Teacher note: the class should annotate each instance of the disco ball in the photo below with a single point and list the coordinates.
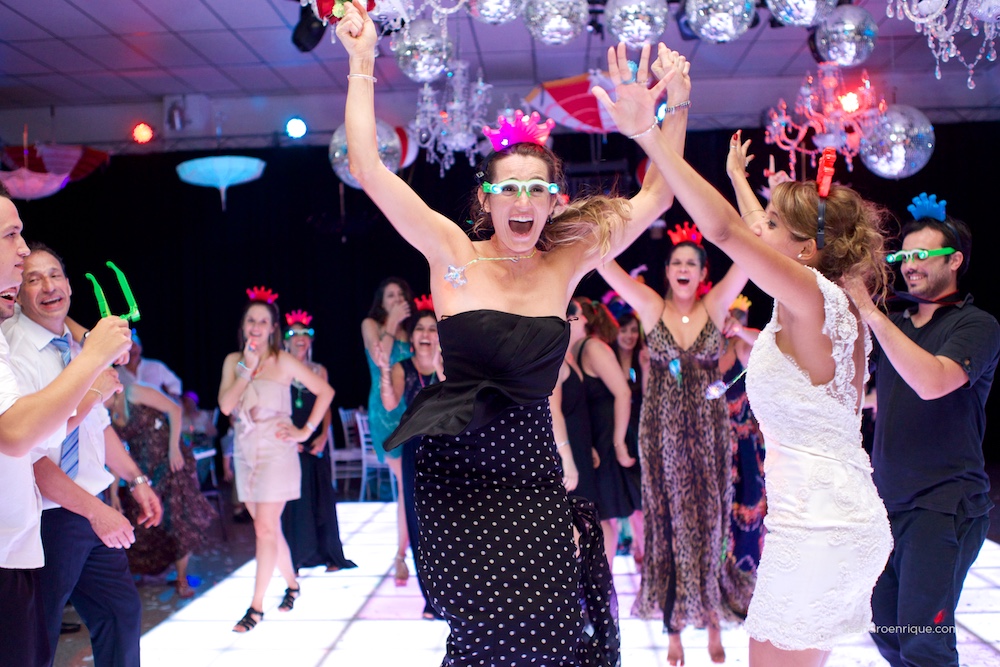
(636, 22)
(801, 13)
(846, 36)
(390, 151)
(900, 144)
(719, 20)
(556, 22)
(495, 11)
(421, 50)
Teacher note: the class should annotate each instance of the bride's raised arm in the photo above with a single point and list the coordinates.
(434, 235)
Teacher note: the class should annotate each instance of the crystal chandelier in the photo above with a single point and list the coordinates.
(830, 115)
(941, 20)
(450, 122)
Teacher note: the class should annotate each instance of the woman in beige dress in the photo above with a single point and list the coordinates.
(256, 391)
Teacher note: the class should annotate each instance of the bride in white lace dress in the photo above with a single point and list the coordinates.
(828, 536)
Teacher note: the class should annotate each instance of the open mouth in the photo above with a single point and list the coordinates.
(521, 225)
(683, 281)
(9, 295)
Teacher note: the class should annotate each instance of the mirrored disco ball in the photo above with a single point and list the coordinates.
(495, 11)
(636, 22)
(801, 13)
(556, 22)
(846, 36)
(421, 51)
(900, 145)
(719, 20)
(390, 151)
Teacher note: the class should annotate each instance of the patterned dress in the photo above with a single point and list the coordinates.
(828, 536)
(749, 501)
(186, 514)
(689, 576)
(496, 527)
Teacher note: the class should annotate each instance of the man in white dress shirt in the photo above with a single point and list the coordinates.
(83, 537)
(24, 422)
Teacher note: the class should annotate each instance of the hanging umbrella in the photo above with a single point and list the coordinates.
(24, 183)
(221, 171)
(78, 161)
(570, 103)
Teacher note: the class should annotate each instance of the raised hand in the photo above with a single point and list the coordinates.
(738, 159)
(675, 69)
(357, 31)
(110, 339)
(251, 355)
(775, 177)
(634, 107)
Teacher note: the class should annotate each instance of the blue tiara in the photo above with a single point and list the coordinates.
(927, 207)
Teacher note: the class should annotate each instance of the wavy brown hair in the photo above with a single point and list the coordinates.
(854, 231)
(595, 219)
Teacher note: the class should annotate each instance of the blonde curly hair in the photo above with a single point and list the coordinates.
(854, 231)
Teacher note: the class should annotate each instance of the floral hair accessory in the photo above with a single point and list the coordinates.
(262, 294)
(685, 232)
(927, 207)
(297, 317)
(523, 129)
(424, 302)
(741, 303)
(331, 11)
(704, 288)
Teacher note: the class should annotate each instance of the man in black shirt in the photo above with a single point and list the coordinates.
(934, 371)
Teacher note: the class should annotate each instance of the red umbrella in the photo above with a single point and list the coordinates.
(570, 103)
(77, 161)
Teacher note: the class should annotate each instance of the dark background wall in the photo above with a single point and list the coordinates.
(324, 247)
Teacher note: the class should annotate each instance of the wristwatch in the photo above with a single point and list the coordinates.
(141, 479)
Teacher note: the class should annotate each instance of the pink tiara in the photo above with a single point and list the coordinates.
(298, 317)
(685, 232)
(523, 129)
(262, 294)
(425, 302)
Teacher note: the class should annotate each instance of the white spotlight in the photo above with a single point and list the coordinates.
(296, 128)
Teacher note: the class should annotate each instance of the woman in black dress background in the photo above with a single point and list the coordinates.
(310, 523)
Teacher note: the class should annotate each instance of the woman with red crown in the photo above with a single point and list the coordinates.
(256, 392)
(498, 552)
(688, 577)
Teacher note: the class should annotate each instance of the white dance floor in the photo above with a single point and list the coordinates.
(360, 618)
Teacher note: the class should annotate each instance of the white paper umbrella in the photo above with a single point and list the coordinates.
(221, 171)
(26, 184)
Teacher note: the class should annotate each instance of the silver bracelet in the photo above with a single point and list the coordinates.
(141, 479)
(367, 77)
(310, 426)
(646, 131)
(683, 105)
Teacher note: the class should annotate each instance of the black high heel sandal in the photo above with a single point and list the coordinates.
(288, 602)
(248, 622)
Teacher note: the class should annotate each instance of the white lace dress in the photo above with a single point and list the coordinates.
(828, 537)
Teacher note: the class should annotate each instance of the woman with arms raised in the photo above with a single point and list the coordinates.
(500, 559)
(828, 537)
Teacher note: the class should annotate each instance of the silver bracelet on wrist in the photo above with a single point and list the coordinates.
(310, 426)
(141, 479)
(681, 105)
(646, 131)
(243, 372)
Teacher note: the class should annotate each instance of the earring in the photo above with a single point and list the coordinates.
(799, 255)
(549, 221)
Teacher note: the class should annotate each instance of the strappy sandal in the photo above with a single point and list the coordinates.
(288, 602)
(248, 622)
(402, 572)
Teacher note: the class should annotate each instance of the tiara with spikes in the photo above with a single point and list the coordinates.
(298, 317)
(262, 294)
(685, 232)
(424, 302)
(927, 207)
(523, 129)
(741, 303)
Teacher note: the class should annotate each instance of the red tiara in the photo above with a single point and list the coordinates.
(685, 232)
(425, 302)
(262, 294)
(298, 317)
(523, 129)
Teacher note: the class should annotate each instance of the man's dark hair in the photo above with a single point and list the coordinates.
(38, 246)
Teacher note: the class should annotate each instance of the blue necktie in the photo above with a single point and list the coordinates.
(69, 460)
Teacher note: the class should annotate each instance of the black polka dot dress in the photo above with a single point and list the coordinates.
(498, 556)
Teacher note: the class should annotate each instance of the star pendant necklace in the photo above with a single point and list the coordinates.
(456, 274)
